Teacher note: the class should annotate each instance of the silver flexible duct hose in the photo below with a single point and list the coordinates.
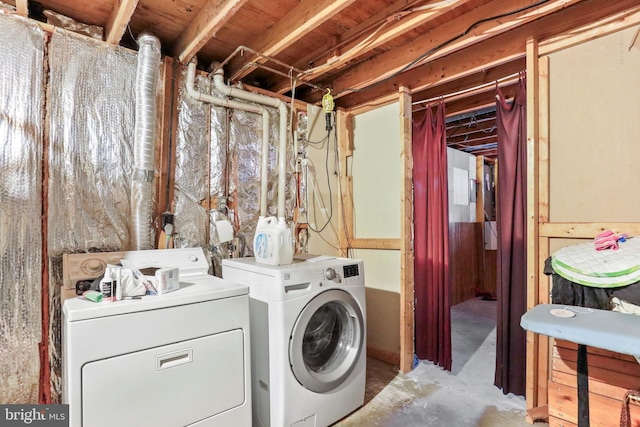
(147, 75)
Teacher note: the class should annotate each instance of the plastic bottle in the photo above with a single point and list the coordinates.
(106, 286)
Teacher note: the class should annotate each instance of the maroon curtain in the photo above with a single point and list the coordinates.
(431, 239)
(512, 255)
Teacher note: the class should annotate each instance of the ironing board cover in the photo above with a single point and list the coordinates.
(605, 269)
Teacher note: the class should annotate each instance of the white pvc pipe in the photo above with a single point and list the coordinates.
(223, 102)
(218, 80)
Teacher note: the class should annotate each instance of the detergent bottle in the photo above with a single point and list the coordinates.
(286, 246)
(272, 242)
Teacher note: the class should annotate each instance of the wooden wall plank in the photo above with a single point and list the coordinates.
(466, 264)
(406, 238)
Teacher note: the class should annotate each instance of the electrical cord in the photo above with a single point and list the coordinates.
(326, 164)
(440, 46)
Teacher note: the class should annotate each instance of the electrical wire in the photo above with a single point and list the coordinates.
(440, 46)
(326, 164)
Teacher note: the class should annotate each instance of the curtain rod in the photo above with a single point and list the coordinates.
(465, 91)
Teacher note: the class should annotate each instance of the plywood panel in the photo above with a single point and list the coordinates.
(466, 266)
(594, 130)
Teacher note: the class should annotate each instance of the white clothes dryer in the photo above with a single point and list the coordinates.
(177, 359)
(308, 338)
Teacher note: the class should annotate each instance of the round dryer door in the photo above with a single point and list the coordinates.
(326, 341)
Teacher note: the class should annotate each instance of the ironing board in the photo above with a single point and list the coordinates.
(609, 330)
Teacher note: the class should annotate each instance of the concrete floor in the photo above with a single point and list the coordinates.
(431, 396)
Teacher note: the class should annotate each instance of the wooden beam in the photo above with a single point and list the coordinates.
(301, 20)
(22, 6)
(497, 50)
(344, 127)
(213, 16)
(484, 76)
(388, 244)
(439, 43)
(384, 33)
(480, 194)
(614, 23)
(586, 230)
(480, 100)
(534, 361)
(118, 20)
(311, 58)
(406, 238)
(165, 150)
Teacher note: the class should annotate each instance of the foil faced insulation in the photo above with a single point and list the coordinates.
(227, 144)
(192, 168)
(91, 126)
(91, 132)
(21, 118)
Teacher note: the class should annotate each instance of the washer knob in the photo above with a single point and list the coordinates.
(330, 274)
(193, 258)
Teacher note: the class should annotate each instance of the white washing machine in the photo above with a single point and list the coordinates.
(308, 338)
(177, 359)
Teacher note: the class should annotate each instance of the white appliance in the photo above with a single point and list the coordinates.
(307, 338)
(178, 359)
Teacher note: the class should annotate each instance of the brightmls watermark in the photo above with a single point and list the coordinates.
(34, 415)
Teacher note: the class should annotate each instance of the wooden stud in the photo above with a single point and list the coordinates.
(532, 351)
(407, 329)
(165, 149)
(118, 20)
(480, 192)
(542, 215)
(344, 127)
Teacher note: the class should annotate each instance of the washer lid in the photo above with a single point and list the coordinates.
(193, 290)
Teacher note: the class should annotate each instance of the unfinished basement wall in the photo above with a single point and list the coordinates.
(377, 179)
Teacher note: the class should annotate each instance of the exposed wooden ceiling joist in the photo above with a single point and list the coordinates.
(213, 15)
(118, 20)
(388, 30)
(487, 76)
(492, 52)
(459, 33)
(22, 7)
(288, 30)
